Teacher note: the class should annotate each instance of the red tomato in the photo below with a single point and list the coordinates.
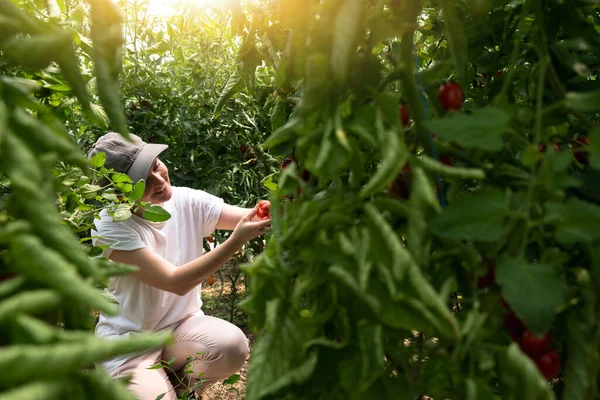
(305, 175)
(451, 96)
(210, 280)
(264, 209)
(399, 188)
(404, 114)
(243, 148)
(549, 364)
(533, 345)
(581, 155)
(286, 161)
(555, 146)
(489, 277)
(446, 160)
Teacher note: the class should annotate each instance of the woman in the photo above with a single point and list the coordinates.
(165, 292)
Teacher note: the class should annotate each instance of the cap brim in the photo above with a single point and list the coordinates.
(141, 166)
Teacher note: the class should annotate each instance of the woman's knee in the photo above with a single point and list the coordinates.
(234, 348)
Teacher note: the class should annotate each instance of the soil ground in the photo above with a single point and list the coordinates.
(217, 301)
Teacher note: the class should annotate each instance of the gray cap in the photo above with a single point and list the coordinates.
(134, 158)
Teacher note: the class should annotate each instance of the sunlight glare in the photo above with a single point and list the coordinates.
(167, 8)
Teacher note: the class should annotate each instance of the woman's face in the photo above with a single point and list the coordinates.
(158, 186)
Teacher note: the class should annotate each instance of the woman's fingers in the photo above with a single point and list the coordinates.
(252, 213)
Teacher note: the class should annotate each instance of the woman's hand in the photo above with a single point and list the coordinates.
(247, 230)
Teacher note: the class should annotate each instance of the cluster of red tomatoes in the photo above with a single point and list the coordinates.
(537, 348)
(579, 149)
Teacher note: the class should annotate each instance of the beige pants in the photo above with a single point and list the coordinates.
(223, 347)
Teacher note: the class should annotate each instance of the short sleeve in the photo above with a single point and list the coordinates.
(207, 208)
(116, 234)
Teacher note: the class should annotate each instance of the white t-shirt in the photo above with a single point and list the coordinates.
(144, 308)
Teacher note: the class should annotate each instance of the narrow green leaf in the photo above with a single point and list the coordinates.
(394, 156)
(348, 25)
(370, 339)
(234, 84)
(99, 385)
(585, 101)
(454, 29)
(36, 52)
(52, 269)
(521, 378)
(47, 390)
(29, 302)
(16, 361)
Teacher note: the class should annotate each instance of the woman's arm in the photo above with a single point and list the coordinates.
(155, 271)
(230, 216)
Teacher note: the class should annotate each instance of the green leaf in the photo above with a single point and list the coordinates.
(457, 40)
(232, 380)
(119, 177)
(576, 221)
(534, 291)
(234, 84)
(16, 361)
(138, 190)
(124, 187)
(269, 184)
(278, 361)
(278, 115)
(370, 337)
(580, 350)
(477, 217)
(122, 213)
(36, 52)
(37, 390)
(103, 386)
(348, 25)
(156, 213)
(89, 191)
(521, 378)
(585, 102)
(483, 129)
(98, 160)
(394, 156)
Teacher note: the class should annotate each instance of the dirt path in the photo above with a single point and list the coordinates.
(217, 303)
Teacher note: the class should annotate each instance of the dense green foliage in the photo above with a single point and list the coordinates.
(351, 273)
(428, 233)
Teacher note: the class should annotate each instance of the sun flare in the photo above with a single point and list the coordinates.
(170, 7)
